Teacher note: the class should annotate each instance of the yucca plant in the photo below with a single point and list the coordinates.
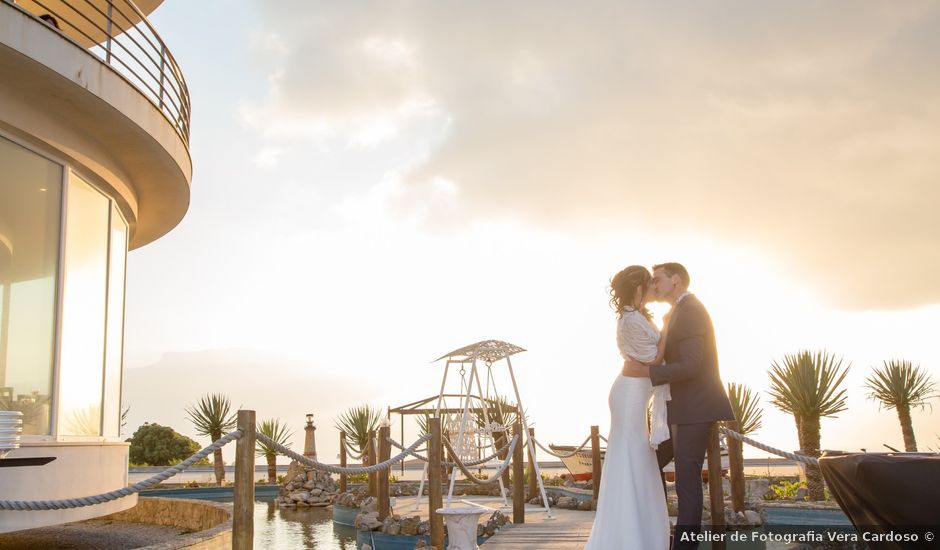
(807, 385)
(212, 416)
(747, 416)
(273, 429)
(899, 385)
(503, 413)
(357, 422)
(746, 407)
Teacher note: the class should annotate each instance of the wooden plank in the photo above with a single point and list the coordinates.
(544, 536)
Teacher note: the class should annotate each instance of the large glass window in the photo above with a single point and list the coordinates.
(30, 199)
(84, 306)
(114, 349)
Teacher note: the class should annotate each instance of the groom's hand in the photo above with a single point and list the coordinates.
(635, 370)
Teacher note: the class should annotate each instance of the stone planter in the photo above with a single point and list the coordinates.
(461, 527)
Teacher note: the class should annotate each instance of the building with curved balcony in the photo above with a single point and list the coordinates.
(94, 162)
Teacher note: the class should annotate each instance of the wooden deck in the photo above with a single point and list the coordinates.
(548, 535)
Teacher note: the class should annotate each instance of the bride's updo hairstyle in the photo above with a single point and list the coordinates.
(623, 287)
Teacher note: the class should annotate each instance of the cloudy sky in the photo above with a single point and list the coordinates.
(377, 183)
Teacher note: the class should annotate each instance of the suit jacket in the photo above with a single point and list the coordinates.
(691, 367)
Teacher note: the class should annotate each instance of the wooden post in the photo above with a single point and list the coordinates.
(342, 461)
(715, 489)
(435, 498)
(373, 478)
(518, 485)
(533, 481)
(243, 518)
(736, 464)
(384, 454)
(596, 462)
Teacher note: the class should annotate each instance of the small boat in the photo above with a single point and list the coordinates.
(581, 464)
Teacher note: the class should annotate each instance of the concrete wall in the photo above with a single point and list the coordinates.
(210, 522)
(79, 470)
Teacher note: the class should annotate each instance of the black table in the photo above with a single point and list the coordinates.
(888, 495)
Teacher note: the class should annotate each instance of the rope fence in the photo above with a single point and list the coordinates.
(812, 461)
(337, 469)
(496, 475)
(564, 455)
(476, 462)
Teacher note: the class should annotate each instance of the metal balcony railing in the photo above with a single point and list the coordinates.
(118, 32)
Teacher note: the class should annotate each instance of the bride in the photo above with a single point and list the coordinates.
(631, 508)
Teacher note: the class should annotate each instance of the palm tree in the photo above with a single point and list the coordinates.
(212, 417)
(806, 385)
(901, 386)
(357, 422)
(273, 429)
(747, 416)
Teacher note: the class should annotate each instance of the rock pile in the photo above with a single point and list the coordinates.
(304, 486)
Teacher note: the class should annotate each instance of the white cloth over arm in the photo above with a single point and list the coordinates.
(638, 338)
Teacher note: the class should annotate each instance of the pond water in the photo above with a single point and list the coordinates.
(300, 528)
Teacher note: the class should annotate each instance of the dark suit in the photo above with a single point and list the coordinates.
(698, 400)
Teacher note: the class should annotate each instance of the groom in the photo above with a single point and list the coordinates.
(690, 367)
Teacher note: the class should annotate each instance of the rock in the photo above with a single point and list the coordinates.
(390, 526)
(367, 521)
(370, 504)
(298, 496)
(480, 530)
(756, 488)
(726, 485)
(568, 503)
(366, 546)
(585, 505)
(753, 518)
(801, 494)
(423, 528)
(409, 526)
(316, 492)
(420, 544)
(309, 485)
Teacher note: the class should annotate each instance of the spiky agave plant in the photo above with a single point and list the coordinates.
(807, 385)
(357, 422)
(213, 416)
(747, 420)
(279, 433)
(746, 407)
(899, 385)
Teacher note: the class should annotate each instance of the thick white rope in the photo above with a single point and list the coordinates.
(497, 475)
(812, 461)
(446, 463)
(563, 455)
(336, 469)
(123, 492)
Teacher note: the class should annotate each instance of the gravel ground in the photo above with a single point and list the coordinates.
(92, 534)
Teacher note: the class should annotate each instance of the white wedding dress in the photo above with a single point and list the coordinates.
(631, 510)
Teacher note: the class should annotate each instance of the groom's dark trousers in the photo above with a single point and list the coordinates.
(698, 401)
(686, 444)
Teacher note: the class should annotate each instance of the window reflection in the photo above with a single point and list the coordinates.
(81, 360)
(30, 198)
